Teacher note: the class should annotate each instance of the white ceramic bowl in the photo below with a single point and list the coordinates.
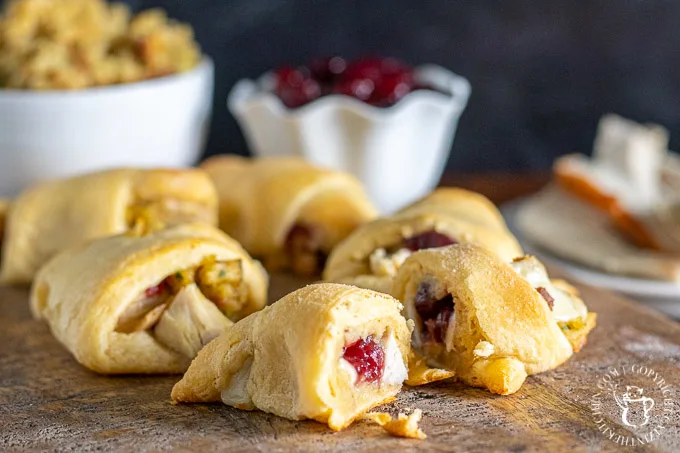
(399, 152)
(159, 122)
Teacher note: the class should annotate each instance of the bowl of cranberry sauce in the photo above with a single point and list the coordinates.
(389, 124)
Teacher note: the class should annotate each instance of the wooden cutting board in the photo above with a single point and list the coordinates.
(50, 403)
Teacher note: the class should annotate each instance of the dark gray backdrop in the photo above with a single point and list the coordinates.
(542, 71)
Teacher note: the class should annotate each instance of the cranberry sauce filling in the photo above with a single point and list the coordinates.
(434, 313)
(427, 240)
(367, 357)
(546, 296)
(303, 246)
(156, 290)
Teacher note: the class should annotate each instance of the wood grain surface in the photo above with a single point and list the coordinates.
(50, 403)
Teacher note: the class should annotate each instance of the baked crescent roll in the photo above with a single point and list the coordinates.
(371, 256)
(147, 304)
(326, 352)
(53, 216)
(286, 211)
(485, 321)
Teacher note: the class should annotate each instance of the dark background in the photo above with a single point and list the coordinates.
(542, 71)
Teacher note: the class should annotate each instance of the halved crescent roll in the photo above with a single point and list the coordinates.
(486, 322)
(147, 304)
(371, 256)
(327, 352)
(53, 216)
(286, 211)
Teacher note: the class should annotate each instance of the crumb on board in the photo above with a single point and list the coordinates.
(402, 426)
(419, 373)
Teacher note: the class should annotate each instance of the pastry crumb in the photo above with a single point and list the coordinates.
(419, 373)
(402, 426)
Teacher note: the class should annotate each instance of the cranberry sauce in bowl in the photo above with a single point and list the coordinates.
(380, 82)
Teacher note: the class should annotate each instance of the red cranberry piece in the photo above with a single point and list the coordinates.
(367, 357)
(287, 76)
(434, 313)
(297, 96)
(390, 66)
(361, 89)
(546, 296)
(365, 68)
(326, 69)
(393, 87)
(427, 240)
(155, 290)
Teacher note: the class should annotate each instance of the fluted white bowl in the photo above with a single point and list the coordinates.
(51, 134)
(399, 152)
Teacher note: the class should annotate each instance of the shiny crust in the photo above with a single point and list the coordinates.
(261, 199)
(463, 215)
(294, 346)
(53, 216)
(493, 304)
(82, 292)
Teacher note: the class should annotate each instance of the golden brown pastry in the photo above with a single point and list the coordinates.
(327, 352)
(371, 256)
(489, 322)
(53, 216)
(147, 304)
(286, 211)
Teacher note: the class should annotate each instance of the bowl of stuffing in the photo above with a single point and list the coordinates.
(86, 85)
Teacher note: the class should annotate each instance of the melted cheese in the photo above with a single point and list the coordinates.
(382, 264)
(484, 349)
(236, 393)
(395, 370)
(565, 308)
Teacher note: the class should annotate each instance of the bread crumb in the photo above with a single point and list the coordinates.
(402, 426)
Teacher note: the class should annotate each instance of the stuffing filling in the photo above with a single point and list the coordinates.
(369, 360)
(304, 250)
(570, 312)
(190, 307)
(386, 263)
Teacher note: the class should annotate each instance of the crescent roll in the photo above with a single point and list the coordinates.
(53, 216)
(285, 211)
(147, 304)
(371, 256)
(326, 352)
(488, 322)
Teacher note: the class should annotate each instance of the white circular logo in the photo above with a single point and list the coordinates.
(633, 405)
